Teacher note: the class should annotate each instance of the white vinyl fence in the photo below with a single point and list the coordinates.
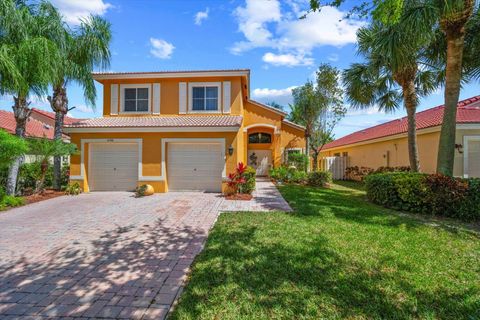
(336, 165)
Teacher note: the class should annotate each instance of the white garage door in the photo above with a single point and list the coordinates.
(196, 166)
(114, 166)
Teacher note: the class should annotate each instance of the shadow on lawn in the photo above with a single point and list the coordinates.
(239, 277)
(144, 267)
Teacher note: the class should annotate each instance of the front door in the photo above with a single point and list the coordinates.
(260, 160)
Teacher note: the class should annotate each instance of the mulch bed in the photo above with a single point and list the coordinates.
(45, 195)
(239, 196)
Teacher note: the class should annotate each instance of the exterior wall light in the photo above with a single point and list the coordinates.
(459, 148)
(230, 150)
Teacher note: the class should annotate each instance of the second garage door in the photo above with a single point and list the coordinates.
(114, 166)
(196, 166)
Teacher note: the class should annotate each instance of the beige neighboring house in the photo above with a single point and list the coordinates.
(386, 144)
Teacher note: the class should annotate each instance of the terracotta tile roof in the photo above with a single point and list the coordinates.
(468, 112)
(160, 121)
(293, 124)
(51, 115)
(175, 71)
(34, 128)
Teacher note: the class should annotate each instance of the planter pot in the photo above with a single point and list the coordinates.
(149, 190)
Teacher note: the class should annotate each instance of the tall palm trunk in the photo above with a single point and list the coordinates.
(59, 104)
(410, 101)
(21, 112)
(455, 33)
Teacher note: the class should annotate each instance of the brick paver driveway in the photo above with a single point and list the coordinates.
(100, 255)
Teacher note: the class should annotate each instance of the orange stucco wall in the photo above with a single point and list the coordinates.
(151, 153)
(283, 136)
(169, 95)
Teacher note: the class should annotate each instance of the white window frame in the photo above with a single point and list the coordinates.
(135, 86)
(466, 140)
(192, 85)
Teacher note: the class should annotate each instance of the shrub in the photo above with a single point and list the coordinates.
(434, 194)
(298, 160)
(73, 189)
(299, 177)
(2, 193)
(242, 180)
(29, 175)
(249, 175)
(357, 173)
(11, 201)
(319, 178)
(397, 190)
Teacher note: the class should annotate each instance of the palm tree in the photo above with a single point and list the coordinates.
(390, 74)
(86, 47)
(454, 51)
(25, 32)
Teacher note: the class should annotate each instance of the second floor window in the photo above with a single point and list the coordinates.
(136, 100)
(205, 98)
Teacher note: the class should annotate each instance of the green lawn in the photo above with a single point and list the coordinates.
(336, 257)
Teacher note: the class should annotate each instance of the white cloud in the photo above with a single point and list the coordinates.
(281, 96)
(200, 16)
(289, 60)
(264, 25)
(252, 22)
(74, 10)
(161, 48)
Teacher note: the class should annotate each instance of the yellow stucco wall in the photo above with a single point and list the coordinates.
(151, 153)
(169, 95)
(283, 136)
(394, 152)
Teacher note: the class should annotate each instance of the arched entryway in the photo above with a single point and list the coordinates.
(260, 149)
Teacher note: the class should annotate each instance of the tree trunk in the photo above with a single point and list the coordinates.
(446, 147)
(307, 150)
(21, 112)
(315, 160)
(454, 29)
(410, 101)
(59, 104)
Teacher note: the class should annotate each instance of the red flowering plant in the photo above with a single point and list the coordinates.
(242, 180)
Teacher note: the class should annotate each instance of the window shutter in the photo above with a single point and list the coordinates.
(156, 98)
(182, 97)
(226, 96)
(114, 99)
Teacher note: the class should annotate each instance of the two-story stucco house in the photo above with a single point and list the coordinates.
(184, 130)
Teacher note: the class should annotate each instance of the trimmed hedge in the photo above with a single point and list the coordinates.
(430, 194)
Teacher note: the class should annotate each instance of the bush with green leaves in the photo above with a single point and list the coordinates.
(11, 147)
(298, 160)
(319, 178)
(249, 176)
(2, 193)
(10, 202)
(431, 194)
(73, 189)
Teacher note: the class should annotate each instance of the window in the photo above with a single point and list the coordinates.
(344, 154)
(205, 97)
(259, 137)
(136, 99)
(337, 154)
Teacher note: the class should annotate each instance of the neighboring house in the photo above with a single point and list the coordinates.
(39, 125)
(184, 130)
(386, 144)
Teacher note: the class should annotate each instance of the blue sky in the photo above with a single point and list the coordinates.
(265, 36)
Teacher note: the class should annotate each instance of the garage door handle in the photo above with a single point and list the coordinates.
(194, 169)
(114, 169)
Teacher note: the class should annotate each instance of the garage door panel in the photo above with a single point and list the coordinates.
(114, 166)
(195, 166)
